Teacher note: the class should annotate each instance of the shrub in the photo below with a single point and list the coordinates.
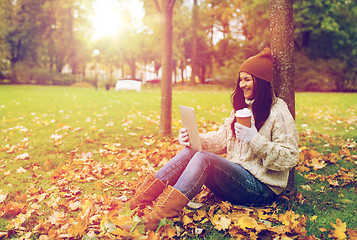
(319, 75)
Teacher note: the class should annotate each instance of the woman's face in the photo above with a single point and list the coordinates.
(247, 85)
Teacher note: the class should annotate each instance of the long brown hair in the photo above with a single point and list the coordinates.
(263, 101)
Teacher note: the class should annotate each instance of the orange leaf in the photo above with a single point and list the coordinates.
(12, 209)
(317, 164)
(352, 233)
(225, 206)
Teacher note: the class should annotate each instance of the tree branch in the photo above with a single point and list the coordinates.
(172, 4)
(157, 5)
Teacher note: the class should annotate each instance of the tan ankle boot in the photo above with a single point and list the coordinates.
(147, 192)
(169, 204)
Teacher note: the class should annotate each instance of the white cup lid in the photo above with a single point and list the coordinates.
(245, 112)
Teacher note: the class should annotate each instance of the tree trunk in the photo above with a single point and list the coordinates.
(166, 13)
(132, 65)
(203, 74)
(175, 72)
(14, 79)
(194, 43)
(282, 46)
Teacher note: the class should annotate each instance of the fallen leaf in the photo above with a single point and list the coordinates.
(186, 220)
(74, 206)
(194, 205)
(220, 222)
(352, 233)
(199, 215)
(339, 230)
(3, 197)
(306, 187)
(23, 156)
(20, 170)
(247, 222)
(78, 229)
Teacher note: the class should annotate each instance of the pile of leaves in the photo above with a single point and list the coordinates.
(66, 211)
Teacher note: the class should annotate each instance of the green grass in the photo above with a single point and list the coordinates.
(88, 119)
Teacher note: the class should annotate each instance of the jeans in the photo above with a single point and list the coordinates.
(189, 170)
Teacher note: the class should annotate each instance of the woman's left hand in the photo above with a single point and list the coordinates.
(244, 133)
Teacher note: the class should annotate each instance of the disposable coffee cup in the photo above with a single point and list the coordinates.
(243, 116)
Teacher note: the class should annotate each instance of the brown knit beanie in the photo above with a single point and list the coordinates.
(260, 65)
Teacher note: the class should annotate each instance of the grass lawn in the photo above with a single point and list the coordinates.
(44, 129)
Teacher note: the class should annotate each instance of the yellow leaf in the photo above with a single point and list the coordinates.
(186, 220)
(333, 183)
(313, 218)
(119, 232)
(247, 222)
(199, 214)
(78, 230)
(340, 229)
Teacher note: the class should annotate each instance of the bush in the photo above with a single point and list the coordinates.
(28, 74)
(42, 76)
(319, 75)
(45, 77)
(63, 79)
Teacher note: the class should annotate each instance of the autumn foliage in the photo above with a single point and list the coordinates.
(66, 173)
(65, 211)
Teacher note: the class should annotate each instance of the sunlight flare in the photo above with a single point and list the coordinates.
(111, 16)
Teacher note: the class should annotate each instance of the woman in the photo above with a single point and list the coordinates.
(259, 158)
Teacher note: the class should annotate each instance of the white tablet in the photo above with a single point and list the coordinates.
(189, 121)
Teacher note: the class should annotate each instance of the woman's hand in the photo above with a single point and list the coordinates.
(244, 133)
(183, 137)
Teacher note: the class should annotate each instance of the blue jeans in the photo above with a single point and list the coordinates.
(189, 170)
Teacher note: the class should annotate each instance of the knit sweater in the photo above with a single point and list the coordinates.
(270, 155)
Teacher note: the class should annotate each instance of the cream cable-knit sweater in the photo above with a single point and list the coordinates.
(270, 154)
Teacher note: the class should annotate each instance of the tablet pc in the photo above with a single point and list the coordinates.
(189, 122)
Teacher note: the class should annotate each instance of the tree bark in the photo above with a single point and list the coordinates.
(166, 13)
(194, 43)
(282, 46)
(14, 79)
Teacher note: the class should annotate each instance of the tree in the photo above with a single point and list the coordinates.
(166, 12)
(44, 34)
(182, 37)
(255, 24)
(282, 46)
(194, 42)
(23, 33)
(326, 30)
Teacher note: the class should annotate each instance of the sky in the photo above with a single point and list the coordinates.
(108, 16)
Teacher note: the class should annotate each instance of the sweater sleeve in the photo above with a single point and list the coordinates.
(281, 153)
(216, 142)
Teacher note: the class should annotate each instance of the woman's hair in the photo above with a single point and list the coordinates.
(263, 100)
